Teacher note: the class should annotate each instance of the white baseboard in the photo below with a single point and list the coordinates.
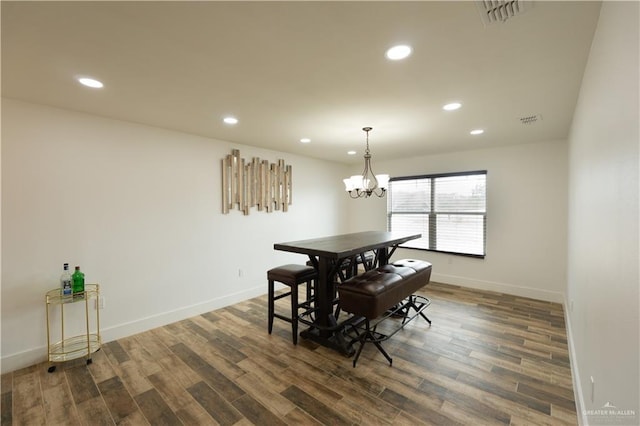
(39, 354)
(514, 290)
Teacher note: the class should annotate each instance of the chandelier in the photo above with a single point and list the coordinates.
(366, 184)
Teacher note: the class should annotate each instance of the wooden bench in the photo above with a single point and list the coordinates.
(384, 292)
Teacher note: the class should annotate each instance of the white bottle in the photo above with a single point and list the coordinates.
(66, 283)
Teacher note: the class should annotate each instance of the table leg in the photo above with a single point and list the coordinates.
(323, 302)
(383, 256)
(327, 332)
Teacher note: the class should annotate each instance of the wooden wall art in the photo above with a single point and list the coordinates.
(254, 183)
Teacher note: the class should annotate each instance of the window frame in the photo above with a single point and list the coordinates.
(432, 214)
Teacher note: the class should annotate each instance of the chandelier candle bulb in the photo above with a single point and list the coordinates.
(348, 184)
(383, 181)
(358, 182)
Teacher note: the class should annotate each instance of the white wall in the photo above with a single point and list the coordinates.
(138, 208)
(603, 277)
(526, 218)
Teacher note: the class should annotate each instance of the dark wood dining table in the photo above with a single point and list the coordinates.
(328, 254)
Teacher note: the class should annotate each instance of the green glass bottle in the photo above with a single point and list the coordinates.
(78, 281)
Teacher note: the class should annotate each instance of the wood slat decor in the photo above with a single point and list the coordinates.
(488, 358)
(255, 183)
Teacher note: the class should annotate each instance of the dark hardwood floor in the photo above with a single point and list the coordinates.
(488, 358)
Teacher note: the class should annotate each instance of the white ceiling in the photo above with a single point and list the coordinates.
(289, 70)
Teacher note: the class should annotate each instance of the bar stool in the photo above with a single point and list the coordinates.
(291, 275)
(350, 266)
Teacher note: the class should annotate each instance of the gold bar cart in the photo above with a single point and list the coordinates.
(68, 348)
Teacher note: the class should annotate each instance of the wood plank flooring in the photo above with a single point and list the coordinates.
(488, 358)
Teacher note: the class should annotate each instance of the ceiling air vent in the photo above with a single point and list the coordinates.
(531, 119)
(494, 11)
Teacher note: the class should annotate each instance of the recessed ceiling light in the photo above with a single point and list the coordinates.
(90, 82)
(230, 120)
(398, 52)
(351, 152)
(305, 140)
(476, 132)
(452, 106)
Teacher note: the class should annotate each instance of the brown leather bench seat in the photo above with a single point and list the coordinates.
(382, 292)
(374, 292)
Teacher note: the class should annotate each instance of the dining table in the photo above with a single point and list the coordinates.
(329, 255)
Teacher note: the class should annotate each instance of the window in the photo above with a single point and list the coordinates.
(449, 210)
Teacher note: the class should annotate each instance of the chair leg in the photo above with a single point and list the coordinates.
(309, 288)
(386, 355)
(271, 306)
(355, 359)
(368, 336)
(294, 313)
(412, 300)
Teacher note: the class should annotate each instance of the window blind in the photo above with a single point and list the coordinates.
(449, 210)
